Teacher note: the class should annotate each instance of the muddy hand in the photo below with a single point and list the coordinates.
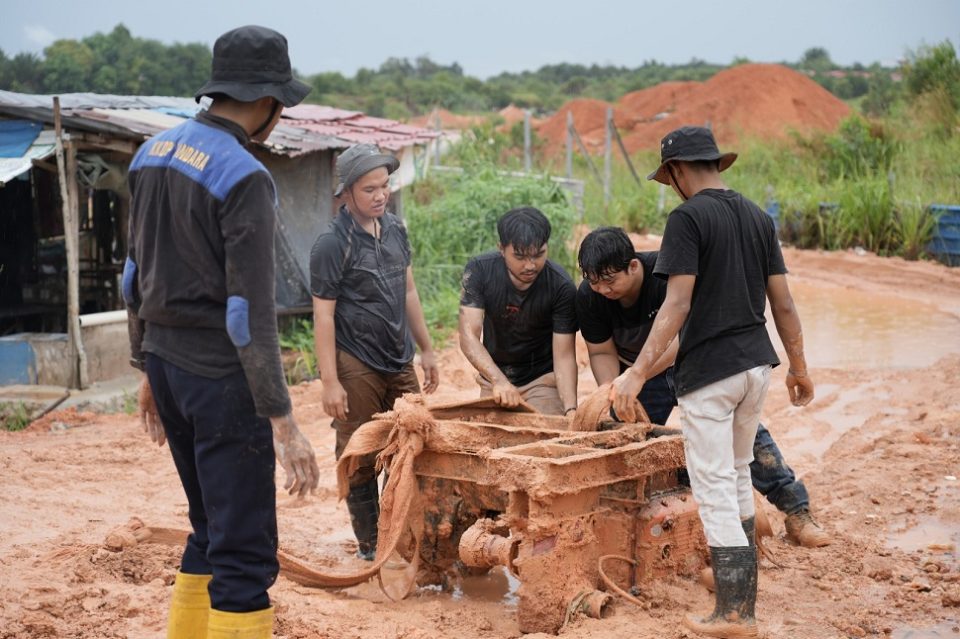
(295, 455)
(431, 373)
(506, 394)
(623, 397)
(149, 418)
(800, 387)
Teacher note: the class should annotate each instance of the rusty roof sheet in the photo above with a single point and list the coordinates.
(303, 129)
(318, 113)
(355, 127)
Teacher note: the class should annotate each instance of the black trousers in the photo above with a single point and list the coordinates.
(224, 455)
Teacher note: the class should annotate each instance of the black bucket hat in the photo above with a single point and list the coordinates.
(359, 160)
(689, 144)
(250, 63)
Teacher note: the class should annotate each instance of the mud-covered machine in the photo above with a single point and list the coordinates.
(573, 515)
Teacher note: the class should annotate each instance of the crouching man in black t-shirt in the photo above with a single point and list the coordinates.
(617, 302)
(722, 261)
(523, 305)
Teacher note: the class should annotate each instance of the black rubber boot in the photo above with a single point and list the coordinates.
(363, 502)
(750, 530)
(735, 576)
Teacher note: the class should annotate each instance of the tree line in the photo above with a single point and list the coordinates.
(118, 62)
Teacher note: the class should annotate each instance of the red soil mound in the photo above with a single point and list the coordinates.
(750, 100)
(588, 118)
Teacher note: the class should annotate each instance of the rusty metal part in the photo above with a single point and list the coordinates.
(480, 547)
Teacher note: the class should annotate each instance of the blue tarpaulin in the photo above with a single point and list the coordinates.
(16, 136)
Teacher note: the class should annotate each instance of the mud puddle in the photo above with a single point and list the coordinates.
(929, 534)
(847, 328)
(498, 585)
(945, 630)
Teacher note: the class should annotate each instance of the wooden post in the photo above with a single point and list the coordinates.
(67, 169)
(569, 145)
(607, 148)
(527, 160)
(439, 129)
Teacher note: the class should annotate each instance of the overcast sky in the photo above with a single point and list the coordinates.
(490, 36)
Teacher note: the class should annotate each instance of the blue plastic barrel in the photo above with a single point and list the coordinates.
(945, 244)
(773, 210)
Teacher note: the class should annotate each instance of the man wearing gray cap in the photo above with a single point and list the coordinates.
(722, 261)
(367, 317)
(199, 287)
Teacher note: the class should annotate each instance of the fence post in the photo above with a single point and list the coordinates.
(569, 145)
(527, 160)
(607, 148)
(439, 129)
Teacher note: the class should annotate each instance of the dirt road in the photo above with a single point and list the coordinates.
(879, 451)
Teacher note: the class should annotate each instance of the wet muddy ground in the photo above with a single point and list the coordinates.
(879, 450)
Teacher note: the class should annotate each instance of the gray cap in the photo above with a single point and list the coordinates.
(359, 160)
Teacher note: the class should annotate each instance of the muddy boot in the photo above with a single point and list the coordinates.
(750, 530)
(364, 505)
(803, 530)
(735, 574)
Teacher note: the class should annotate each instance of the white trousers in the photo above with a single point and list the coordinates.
(719, 426)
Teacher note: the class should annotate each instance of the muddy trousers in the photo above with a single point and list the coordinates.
(368, 392)
(769, 472)
(224, 455)
(719, 426)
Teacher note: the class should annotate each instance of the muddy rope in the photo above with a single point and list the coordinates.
(399, 436)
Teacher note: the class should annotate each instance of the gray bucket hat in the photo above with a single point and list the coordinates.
(689, 144)
(250, 63)
(359, 160)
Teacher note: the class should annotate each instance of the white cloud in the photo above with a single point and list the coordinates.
(38, 35)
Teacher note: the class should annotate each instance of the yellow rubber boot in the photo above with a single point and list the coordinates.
(240, 625)
(189, 607)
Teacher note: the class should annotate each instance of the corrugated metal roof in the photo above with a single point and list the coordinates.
(43, 147)
(355, 127)
(318, 113)
(303, 129)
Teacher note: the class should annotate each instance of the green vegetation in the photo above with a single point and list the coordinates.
(114, 62)
(14, 416)
(297, 339)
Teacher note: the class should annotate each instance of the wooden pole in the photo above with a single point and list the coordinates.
(67, 169)
(626, 156)
(436, 125)
(527, 159)
(569, 145)
(607, 148)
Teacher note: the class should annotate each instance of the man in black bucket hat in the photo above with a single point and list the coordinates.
(721, 260)
(199, 287)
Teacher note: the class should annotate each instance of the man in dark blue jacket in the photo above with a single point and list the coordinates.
(199, 286)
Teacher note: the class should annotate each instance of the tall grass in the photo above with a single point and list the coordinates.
(869, 185)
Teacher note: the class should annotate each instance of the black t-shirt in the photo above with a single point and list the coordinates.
(602, 318)
(368, 279)
(731, 246)
(518, 326)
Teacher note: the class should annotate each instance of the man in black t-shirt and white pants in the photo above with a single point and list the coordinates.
(523, 305)
(722, 261)
(617, 303)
